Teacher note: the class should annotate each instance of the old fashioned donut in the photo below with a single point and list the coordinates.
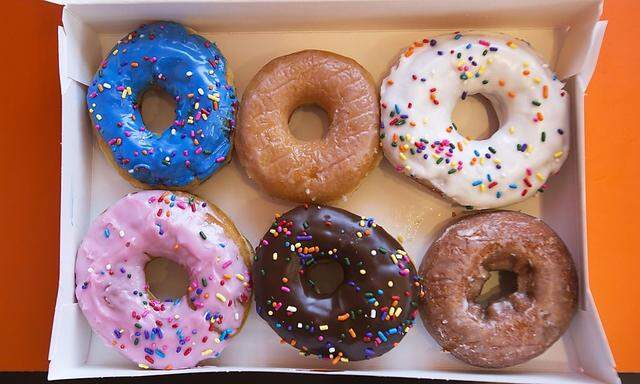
(319, 170)
(193, 71)
(513, 327)
(421, 140)
(113, 293)
(365, 314)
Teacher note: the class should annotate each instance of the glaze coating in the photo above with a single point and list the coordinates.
(515, 326)
(309, 171)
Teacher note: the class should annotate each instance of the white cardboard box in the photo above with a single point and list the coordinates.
(568, 33)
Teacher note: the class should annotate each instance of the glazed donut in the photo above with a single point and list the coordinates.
(420, 139)
(514, 327)
(113, 294)
(193, 71)
(365, 314)
(319, 170)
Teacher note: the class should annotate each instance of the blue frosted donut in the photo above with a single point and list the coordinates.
(193, 71)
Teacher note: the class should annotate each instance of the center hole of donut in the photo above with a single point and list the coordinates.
(475, 117)
(167, 280)
(324, 277)
(309, 123)
(498, 286)
(158, 109)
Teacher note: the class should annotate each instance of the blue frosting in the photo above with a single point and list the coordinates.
(193, 71)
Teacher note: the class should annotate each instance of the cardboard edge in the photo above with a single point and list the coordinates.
(72, 97)
(591, 58)
(75, 359)
(62, 60)
(72, 195)
(611, 375)
(541, 378)
(589, 304)
(63, 89)
(79, 37)
(582, 80)
(576, 45)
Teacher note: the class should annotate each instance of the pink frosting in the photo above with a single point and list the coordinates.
(112, 291)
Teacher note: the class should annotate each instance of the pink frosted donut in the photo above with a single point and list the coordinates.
(113, 293)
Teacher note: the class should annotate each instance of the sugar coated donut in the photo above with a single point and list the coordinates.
(514, 325)
(319, 170)
(365, 314)
(113, 293)
(421, 140)
(193, 71)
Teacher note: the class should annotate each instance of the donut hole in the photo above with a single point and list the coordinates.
(309, 122)
(498, 286)
(475, 117)
(166, 279)
(157, 108)
(323, 278)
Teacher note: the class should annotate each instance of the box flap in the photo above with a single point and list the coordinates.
(578, 43)
(62, 60)
(591, 58)
(72, 353)
(80, 49)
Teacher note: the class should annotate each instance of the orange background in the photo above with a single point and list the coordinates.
(29, 231)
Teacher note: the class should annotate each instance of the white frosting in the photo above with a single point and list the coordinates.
(421, 91)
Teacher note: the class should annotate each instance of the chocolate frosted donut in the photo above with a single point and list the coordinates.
(514, 327)
(372, 302)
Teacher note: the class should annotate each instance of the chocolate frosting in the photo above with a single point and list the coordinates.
(368, 313)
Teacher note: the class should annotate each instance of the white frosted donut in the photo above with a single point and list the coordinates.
(420, 139)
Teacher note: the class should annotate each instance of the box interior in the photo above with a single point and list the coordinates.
(373, 33)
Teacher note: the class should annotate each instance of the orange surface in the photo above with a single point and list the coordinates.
(613, 183)
(30, 108)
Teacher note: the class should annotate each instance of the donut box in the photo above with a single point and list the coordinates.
(567, 33)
